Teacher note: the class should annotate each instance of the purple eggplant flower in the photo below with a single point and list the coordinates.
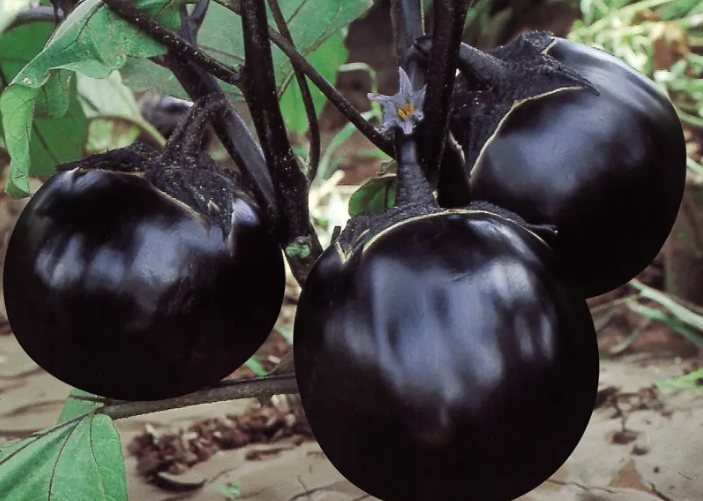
(403, 109)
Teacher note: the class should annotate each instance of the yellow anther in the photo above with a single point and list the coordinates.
(405, 111)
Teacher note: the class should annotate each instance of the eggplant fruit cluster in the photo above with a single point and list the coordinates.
(447, 352)
(139, 275)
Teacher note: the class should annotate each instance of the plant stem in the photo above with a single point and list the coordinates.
(408, 25)
(413, 187)
(449, 17)
(172, 41)
(261, 387)
(308, 104)
(186, 139)
(299, 62)
(259, 85)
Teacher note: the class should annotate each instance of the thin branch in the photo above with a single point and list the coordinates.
(308, 104)
(295, 231)
(449, 17)
(301, 63)
(172, 41)
(227, 390)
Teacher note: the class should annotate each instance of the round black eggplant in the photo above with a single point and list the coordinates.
(608, 170)
(445, 358)
(118, 289)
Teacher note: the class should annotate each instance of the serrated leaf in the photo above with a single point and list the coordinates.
(78, 403)
(326, 59)
(9, 10)
(74, 461)
(374, 196)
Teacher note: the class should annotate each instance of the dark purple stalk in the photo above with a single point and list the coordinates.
(259, 85)
(449, 17)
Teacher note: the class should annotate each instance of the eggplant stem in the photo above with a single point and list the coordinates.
(413, 187)
(294, 227)
(408, 25)
(449, 17)
(313, 124)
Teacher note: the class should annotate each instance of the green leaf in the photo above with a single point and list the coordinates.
(311, 23)
(9, 10)
(37, 145)
(374, 196)
(107, 97)
(78, 403)
(91, 40)
(78, 460)
(110, 98)
(143, 75)
(94, 41)
(326, 59)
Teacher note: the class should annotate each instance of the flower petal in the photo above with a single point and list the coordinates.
(405, 85)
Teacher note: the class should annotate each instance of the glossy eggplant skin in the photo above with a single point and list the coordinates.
(608, 170)
(448, 359)
(120, 290)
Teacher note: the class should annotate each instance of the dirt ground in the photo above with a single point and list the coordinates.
(642, 444)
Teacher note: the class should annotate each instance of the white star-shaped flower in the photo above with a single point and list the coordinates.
(403, 109)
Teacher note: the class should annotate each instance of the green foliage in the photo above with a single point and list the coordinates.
(92, 41)
(326, 59)
(221, 37)
(58, 130)
(80, 459)
(374, 196)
